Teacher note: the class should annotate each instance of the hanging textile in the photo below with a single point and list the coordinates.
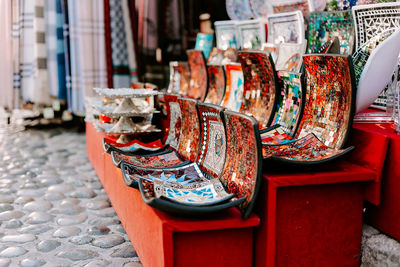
(121, 72)
(51, 46)
(61, 67)
(87, 50)
(6, 66)
(33, 53)
(16, 35)
(64, 8)
(150, 27)
(107, 37)
(129, 41)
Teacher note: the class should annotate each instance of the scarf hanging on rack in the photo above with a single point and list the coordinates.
(33, 53)
(61, 66)
(67, 49)
(6, 66)
(107, 37)
(120, 60)
(51, 46)
(130, 42)
(87, 50)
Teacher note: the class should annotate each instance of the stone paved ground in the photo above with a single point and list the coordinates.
(53, 209)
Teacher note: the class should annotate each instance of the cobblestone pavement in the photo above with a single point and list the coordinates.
(53, 209)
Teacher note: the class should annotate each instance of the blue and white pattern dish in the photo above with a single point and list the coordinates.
(239, 9)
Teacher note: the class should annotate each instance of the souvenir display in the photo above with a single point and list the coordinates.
(372, 20)
(286, 27)
(216, 84)
(132, 146)
(163, 159)
(179, 77)
(241, 174)
(131, 103)
(200, 194)
(260, 8)
(327, 25)
(238, 9)
(361, 56)
(275, 135)
(187, 174)
(272, 49)
(211, 157)
(259, 86)
(305, 6)
(198, 75)
(290, 101)
(332, 46)
(189, 141)
(251, 33)
(220, 57)
(204, 42)
(148, 196)
(378, 69)
(225, 33)
(174, 114)
(330, 99)
(290, 57)
(306, 150)
(233, 97)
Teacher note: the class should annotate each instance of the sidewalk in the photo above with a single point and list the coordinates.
(53, 209)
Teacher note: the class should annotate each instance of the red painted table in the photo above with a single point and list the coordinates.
(386, 215)
(164, 240)
(313, 216)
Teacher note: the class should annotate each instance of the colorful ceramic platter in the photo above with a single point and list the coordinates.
(233, 97)
(113, 93)
(190, 134)
(200, 194)
(327, 25)
(179, 77)
(259, 8)
(371, 20)
(148, 196)
(306, 150)
(259, 86)
(211, 157)
(220, 56)
(330, 99)
(238, 9)
(242, 170)
(275, 135)
(280, 6)
(251, 33)
(164, 159)
(225, 32)
(204, 42)
(286, 27)
(361, 56)
(290, 57)
(174, 114)
(187, 174)
(290, 101)
(216, 85)
(198, 74)
(134, 145)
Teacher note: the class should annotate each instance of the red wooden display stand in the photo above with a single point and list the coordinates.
(313, 216)
(163, 240)
(386, 215)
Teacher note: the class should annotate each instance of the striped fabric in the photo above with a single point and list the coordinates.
(87, 50)
(6, 44)
(51, 47)
(129, 42)
(120, 59)
(64, 8)
(33, 53)
(61, 67)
